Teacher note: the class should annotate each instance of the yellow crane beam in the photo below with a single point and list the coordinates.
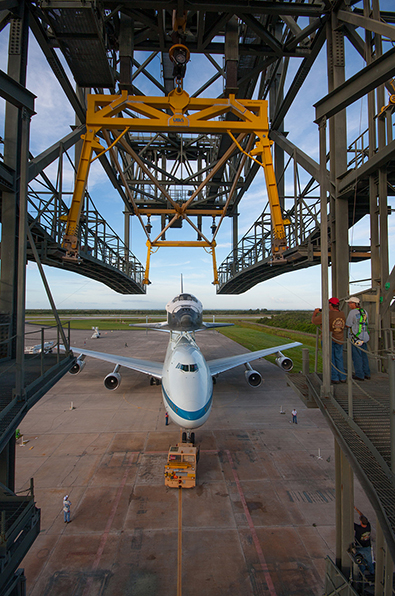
(183, 114)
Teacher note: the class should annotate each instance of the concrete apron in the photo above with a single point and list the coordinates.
(260, 521)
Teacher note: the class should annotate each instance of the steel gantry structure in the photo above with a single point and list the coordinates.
(191, 157)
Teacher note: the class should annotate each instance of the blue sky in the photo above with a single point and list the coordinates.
(299, 290)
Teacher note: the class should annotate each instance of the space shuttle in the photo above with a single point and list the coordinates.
(184, 313)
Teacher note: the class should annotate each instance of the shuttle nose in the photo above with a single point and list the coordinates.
(186, 321)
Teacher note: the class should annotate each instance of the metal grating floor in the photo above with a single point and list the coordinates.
(365, 441)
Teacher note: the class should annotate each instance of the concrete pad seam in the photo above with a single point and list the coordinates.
(62, 532)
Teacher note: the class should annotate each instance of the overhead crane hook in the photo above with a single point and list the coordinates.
(179, 55)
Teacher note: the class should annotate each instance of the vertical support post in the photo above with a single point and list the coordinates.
(21, 296)
(326, 360)
(338, 157)
(391, 373)
(231, 55)
(127, 239)
(7, 464)
(42, 352)
(338, 515)
(388, 573)
(379, 568)
(305, 361)
(344, 510)
(126, 46)
(9, 292)
(235, 239)
(349, 378)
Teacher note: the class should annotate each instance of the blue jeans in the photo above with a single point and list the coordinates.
(366, 552)
(337, 363)
(360, 361)
(66, 515)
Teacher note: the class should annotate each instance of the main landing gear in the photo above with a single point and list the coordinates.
(154, 381)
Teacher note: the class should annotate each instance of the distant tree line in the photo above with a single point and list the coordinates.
(297, 320)
(89, 312)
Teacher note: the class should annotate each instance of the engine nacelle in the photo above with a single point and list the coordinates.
(112, 381)
(77, 367)
(284, 362)
(253, 378)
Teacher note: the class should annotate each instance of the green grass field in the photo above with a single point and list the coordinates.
(103, 324)
(253, 338)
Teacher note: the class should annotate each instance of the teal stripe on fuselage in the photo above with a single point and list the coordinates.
(184, 413)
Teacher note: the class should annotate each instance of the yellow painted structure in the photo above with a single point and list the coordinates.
(183, 114)
(181, 467)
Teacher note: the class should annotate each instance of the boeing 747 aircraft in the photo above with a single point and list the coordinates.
(186, 378)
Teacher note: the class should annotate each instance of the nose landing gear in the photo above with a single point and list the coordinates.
(188, 437)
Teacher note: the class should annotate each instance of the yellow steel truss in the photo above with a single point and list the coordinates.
(182, 113)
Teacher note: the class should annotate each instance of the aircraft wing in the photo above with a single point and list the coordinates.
(222, 364)
(144, 366)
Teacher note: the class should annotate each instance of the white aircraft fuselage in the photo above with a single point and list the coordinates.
(187, 385)
(186, 377)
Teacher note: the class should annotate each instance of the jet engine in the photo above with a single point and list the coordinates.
(253, 377)
(77, 367)
(113, 380)
(284, 362)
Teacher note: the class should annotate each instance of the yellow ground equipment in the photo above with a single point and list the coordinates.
(181, 467)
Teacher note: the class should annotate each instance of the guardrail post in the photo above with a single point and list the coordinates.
(2, 532)
(305, 361)
(349, 378)
(42, 353)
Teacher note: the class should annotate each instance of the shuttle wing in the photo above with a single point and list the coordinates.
(163, 326)
(144, 366)
(222, 364)
(213, 325)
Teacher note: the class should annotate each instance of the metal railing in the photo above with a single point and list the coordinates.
(97, 239)
(256, 244)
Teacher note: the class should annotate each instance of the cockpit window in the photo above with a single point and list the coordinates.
(188, 367)
(185, 297)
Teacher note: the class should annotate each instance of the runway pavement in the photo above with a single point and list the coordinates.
(261, 520)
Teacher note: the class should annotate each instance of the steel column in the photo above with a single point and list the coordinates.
(326, 372)
(379, 556)
(338, 157)
(21, 272)
(17, 60)
(344, 510)
(391, 373)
